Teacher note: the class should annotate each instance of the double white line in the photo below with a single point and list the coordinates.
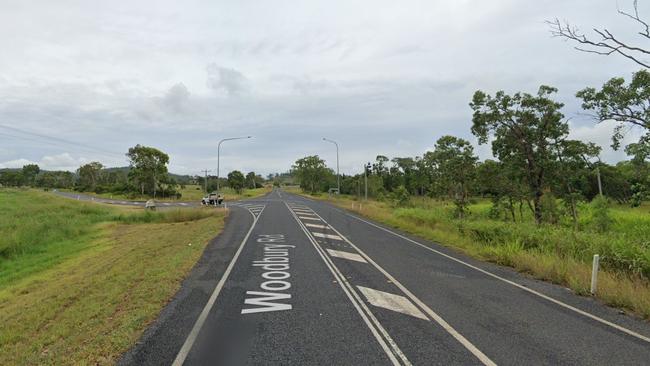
(367, 315)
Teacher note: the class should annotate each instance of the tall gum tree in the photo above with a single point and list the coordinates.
(525, 128)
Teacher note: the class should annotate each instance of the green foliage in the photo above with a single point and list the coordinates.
(400, 197)
(600, 213)
(148, 167)
(311, 172)
(236, 180)
(626, 104)
(30, 171)
(526, 131)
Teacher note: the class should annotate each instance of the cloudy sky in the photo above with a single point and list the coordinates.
(89, 79)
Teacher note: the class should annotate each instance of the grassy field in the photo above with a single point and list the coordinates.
(189, 193)
(554, 253)
(79, 282)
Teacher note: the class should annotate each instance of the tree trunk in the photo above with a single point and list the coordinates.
(537, 204)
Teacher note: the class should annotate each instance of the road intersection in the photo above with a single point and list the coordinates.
(296, 281)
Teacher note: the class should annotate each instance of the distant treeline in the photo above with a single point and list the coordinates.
(146, 175)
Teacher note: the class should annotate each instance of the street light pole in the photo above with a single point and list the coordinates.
(219, 153)
(338, 177)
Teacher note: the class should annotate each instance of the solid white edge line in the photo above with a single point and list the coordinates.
(372, 323)
(437, 318)
(189, 341)
(546, 297)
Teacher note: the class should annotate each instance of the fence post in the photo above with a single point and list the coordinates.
(594, 274)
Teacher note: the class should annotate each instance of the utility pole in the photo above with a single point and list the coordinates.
(365, 178)
(338, 177)
(205, 181)
(600, 185)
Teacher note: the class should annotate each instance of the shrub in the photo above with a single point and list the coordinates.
(600, 212)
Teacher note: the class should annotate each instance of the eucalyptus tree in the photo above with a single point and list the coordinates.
(456, 164)
(525, 129)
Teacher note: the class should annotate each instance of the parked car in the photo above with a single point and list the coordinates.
(212, 199)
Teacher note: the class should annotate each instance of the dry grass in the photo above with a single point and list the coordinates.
(93, 304)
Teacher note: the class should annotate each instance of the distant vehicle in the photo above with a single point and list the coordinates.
(212, 199)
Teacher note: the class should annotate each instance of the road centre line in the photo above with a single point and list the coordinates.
(433, 315)
(377, 330)
(308, 218)
(191, 338)
(346, 255)
(495, 276)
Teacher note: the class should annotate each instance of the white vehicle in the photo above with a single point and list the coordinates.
(212, 199)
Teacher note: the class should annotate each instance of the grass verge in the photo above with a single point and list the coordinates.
(92, 303)
(551, 253)
(188, 193)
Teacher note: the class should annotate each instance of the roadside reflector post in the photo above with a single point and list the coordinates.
(594, 274)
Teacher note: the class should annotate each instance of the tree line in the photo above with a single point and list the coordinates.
(146, 175)
(536, 163)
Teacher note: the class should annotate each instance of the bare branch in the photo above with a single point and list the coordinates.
(608, 44)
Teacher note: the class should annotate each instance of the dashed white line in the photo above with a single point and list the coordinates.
(326, 236)
(317, 226)
(392, 302)
(346, 255)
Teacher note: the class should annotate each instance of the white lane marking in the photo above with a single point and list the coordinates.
(304, 212)
(391, 302)
(546, 297)
(368, 317)
(433, 315)
(346, 255)
(326, 236)
(308, 218)
(317, 226)
(166, 203)
(183, 204)
(187, 346)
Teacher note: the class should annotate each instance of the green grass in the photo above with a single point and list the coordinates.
(555, 253)
(79, 282)
(188, 193)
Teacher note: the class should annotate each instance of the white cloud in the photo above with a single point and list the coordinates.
(13, 164)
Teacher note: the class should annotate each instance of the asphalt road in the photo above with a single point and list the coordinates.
(292, 281)
(89, 198)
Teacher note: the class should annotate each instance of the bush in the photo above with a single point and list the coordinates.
(400, 196)
(600, 212)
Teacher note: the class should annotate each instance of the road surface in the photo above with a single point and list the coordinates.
(89, 198)
(292, 281)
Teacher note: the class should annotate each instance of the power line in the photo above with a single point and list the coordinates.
(59, 140)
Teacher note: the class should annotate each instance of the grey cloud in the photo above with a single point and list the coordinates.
(177, 98)
(230, 81)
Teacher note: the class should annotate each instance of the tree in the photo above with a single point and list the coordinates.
(253, 180)
(456, 165)
(606, 43)
(311, 171)
(30, 171)
(89, 175)
(148, 167)
(629, 105)
(572, 171)
(525, 128)
(236, 180)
